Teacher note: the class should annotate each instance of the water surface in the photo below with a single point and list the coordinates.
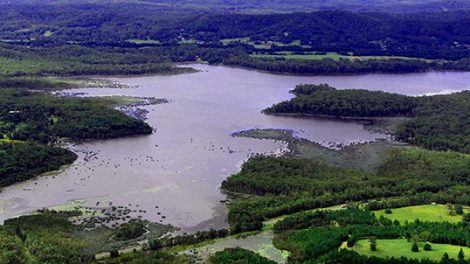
(176, 172)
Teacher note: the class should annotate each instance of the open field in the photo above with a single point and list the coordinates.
(143, 41)
(7, 140)
(428, 212)
(328, 55)
(10, 66)
(401, 247)
(263, 44)
(48, 33)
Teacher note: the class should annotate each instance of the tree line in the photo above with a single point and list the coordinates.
(437, 122)
(282, 185)
(439, 35)
(31, 121)
(324, 236)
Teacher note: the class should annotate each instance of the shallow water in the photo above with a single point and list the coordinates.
(177, 170)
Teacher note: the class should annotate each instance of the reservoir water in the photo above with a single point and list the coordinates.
(173, 176)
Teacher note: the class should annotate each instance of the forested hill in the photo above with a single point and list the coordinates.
(427, 35)
(42, 118)
(270, 6)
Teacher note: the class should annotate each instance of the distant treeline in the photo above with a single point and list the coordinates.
(328, 101)
(99, 39)
(329, 66)
(440, 35)
(346, 66)
(438, 122)
(18, 61)
(72, 59)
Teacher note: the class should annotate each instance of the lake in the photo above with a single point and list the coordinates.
(173, 176)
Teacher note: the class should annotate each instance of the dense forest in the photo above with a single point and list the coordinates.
(98, 39)
(22, 161)
(423, 35)
(323, 237)
(278, 6)
(20, 63)
(332, 67)
(27, 115)
(29, 121)
(316, 210)
(438, 122)
(323, 100)
(238, 255)
(280, 186)
(285, 185)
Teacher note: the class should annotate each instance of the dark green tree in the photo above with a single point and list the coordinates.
(373, 243)
(458, 209)
(415, 247)
(427, 247)
(461, 255)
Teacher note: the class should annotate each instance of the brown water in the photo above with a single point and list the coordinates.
(181, 166)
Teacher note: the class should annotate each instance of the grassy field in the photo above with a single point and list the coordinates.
(328, 55)
(143, 41)
(428, 212)
(232, 40)
(10, 66)
(188, 41)
(269, 224)
(7, 140)
(263, 44)
(401, 247)
(48, 33)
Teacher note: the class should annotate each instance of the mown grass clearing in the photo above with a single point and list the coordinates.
(401, 247)
(427, 212)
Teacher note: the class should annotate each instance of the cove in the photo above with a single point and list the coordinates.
(173, 175)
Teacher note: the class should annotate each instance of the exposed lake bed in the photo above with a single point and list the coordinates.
(173, 176)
